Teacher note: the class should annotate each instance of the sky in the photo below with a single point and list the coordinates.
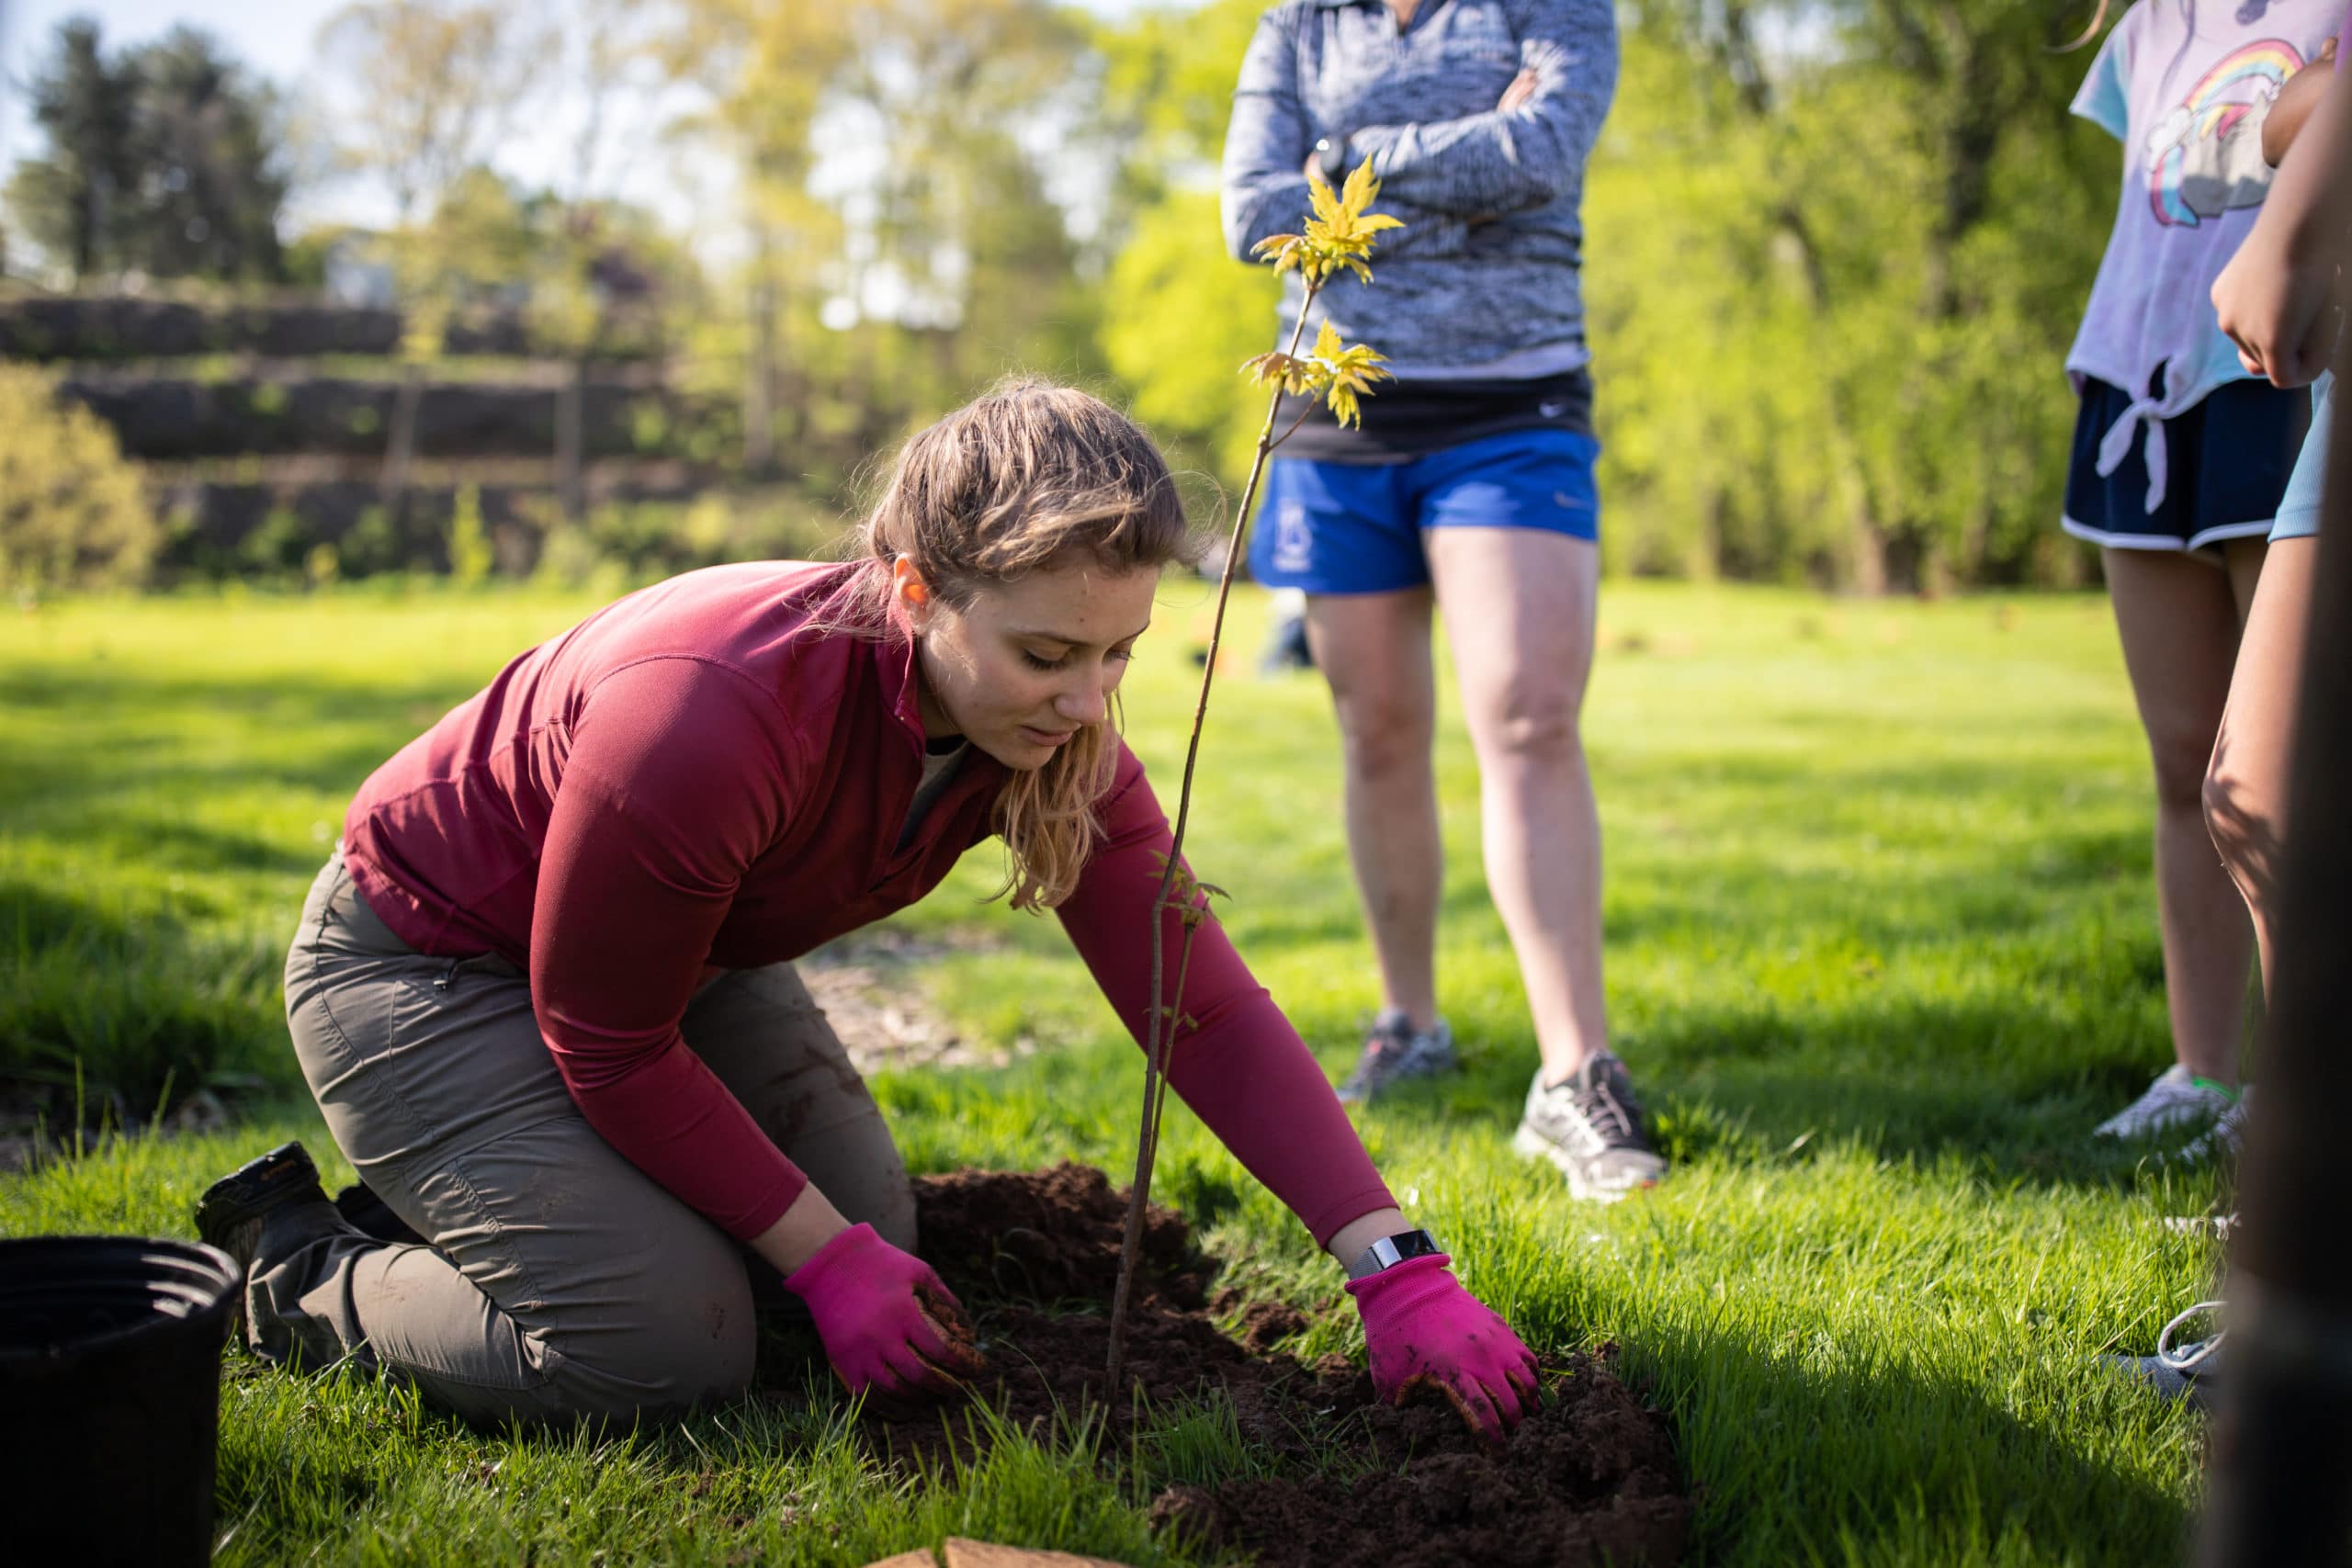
(275, 37)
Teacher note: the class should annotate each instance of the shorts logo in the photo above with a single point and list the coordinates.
(1294, 543)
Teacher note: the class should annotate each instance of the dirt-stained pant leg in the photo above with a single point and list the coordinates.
(768, 1040)
(561, 1281)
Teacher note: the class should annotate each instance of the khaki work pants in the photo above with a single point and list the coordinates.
(559, 1280)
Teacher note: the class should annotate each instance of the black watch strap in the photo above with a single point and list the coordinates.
(1391, 1250)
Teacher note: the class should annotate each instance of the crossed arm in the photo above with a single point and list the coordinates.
(1440, 177)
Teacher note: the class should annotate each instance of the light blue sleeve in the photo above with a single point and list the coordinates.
(2102, 100)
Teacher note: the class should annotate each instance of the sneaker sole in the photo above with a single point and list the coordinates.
(1533, 1145)
(253, 1189)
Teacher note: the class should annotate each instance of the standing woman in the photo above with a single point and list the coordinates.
(543, 988)
(2181, 456)
(1469, 488)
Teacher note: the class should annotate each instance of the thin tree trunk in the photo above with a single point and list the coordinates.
(570, 443)
(399, 448)
(759, 379)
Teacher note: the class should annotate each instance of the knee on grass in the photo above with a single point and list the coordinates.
(697, 1348)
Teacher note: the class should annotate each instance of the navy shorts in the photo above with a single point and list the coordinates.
(2226, 464)
(1356, 528)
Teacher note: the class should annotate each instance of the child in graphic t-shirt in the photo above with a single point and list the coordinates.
(2181, 456)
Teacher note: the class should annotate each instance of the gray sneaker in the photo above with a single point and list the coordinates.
(2186, 1369)
(1591, 1126)
(1394, 1052)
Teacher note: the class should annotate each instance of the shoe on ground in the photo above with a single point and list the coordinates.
(2174, 1103)
(266, 1208)
(2181, 1369)
(1593, 1128)
(1394, 1051)
(2223, 1138)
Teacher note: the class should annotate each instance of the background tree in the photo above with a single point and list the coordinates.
(210, 180)
(70, 201)
(765, 70)
(426, 86)
(423, 90)
(167, 160)
(1177, 311)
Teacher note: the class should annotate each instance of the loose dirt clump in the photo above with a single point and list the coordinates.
(1340, 1478)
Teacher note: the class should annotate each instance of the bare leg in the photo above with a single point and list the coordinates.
(2179, 619)
(1520, 605)
(2246, 791)
(1375, 651)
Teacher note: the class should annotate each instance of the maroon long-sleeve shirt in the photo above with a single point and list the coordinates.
(698, 775)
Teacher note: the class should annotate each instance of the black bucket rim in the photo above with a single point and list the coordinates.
(210, 1279)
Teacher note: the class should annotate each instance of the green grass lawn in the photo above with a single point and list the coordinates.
(1882, 949)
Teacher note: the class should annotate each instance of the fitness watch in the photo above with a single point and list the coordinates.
(1331, 158)
(1391, 1250)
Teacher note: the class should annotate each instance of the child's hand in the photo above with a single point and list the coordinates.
(2282, 314)
(1522, 88)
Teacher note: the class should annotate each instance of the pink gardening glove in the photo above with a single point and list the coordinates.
(1423, 1328)
(886, 1321)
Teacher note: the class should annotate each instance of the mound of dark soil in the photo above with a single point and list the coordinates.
(1035, 1257)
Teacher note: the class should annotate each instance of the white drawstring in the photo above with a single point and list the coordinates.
(2117, 443)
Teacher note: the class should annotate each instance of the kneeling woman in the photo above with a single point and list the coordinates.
(543, 990)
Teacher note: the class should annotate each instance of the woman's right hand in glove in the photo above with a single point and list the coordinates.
(887, 1322)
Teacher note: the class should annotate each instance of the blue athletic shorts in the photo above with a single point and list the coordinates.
(2226, 462)
(1356, 528)
(2299, 508)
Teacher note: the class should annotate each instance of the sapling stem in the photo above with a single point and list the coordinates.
(1339, 235)
(1160, 1032)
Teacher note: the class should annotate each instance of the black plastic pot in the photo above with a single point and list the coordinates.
(110, 1397)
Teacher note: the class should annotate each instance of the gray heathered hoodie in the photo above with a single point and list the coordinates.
(1483, 278)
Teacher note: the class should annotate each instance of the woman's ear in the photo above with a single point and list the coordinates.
(910, 593)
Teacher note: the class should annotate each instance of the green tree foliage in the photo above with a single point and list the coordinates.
(165, 160)
(426, 86)
(69, 201)
(903, 247)
(71, 512)
(206, 146)
(1178, 314)
(1832, 291)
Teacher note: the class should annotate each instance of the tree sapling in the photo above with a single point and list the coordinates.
(1339, 236)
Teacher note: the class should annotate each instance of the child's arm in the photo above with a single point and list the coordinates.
(2295, 102)
(2276, 299)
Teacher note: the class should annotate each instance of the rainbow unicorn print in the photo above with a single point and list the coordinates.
(2205, 157)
